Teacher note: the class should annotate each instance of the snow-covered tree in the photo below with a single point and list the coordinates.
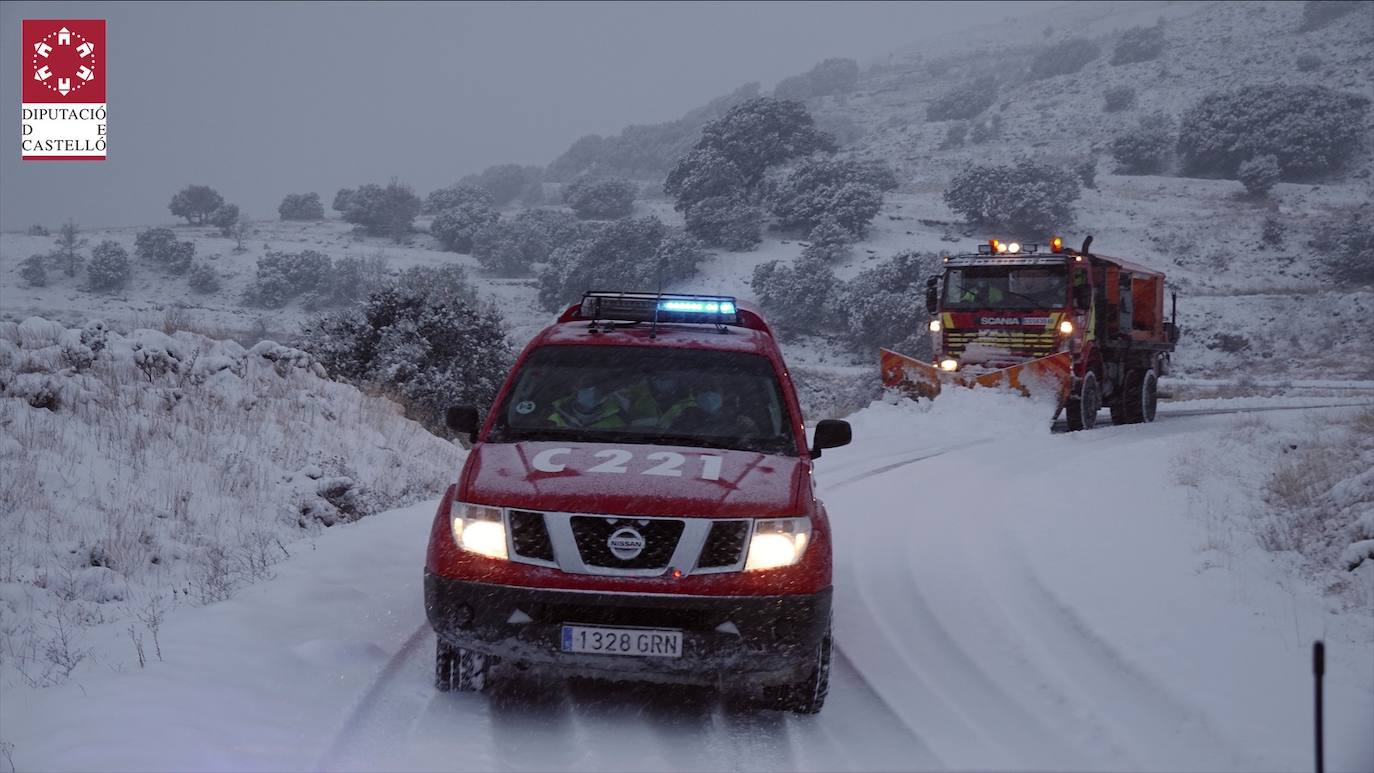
(798, 298)
(427, 349)
(764, 132)
(224, 218)
(204, 279)
(457, 195)
(702, 174)
(196, 203)
(821, 187)
(32, 271)
(630, 254)
(727, 221)
(457, 226)
(282, 276)
(160, 246)
(885, 305)
(505, 182)
(1087, 172)
(1259, 175)
(153, 243)
(511, 247)
(343, 200)
(68, 242)
(380, 210)
(301, 206)
(600, 199)
(1144, 149)
(1349, 244)
(109, 267)
(1308, 129)
(1026, 199)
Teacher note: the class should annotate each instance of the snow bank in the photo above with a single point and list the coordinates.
(151, 470)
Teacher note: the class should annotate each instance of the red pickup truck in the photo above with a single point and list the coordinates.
(639, 505)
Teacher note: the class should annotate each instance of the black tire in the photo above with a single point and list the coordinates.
(1148, 396)
(1081, 410)
(808, 695)
(1139, 399)
(459, 669)
(445, 662)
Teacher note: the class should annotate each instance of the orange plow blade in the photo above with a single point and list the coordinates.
(1052, 374)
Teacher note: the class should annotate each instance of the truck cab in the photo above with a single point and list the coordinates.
(638, 505)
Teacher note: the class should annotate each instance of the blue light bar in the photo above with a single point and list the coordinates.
(698, 307)
(660, 307)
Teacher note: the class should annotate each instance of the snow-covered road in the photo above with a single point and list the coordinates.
(1006, 598)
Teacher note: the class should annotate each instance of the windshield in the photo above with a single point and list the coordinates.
(636, 394)
(998, 287)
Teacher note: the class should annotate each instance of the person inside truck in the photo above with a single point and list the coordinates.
(982, 292)
(591, 405)
(656, 400)
(711, 410)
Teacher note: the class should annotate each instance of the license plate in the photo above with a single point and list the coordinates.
(604, 640)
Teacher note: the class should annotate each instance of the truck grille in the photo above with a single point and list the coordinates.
(529, 535)
(1014, 342)
(660, 535)
(724, 544)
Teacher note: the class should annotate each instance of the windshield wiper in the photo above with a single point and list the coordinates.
(1035, 302)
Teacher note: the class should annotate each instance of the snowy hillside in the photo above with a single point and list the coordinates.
(145, 472)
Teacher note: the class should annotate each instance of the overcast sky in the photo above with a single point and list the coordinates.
(262, 99)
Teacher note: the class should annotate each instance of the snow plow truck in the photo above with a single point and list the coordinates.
(1086, 328)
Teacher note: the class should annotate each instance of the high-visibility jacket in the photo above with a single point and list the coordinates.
(610, 413)
(970, 295)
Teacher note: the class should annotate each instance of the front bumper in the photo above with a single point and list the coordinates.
(775, 644)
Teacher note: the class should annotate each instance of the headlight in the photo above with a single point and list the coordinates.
(777, 542)
(949, 363)
(1066, 328)
(479, 529)
(935, 326)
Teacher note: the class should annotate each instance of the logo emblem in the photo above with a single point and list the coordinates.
(626, 543)
(63, 86)
(64, 61)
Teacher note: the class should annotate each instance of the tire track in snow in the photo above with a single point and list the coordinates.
(365, 722)
(896, 744)
(530, 722)
(1259, 409)
(1093, 666)
(903, 463)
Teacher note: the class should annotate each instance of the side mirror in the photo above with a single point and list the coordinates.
(830, 433)
(1083, 297)
(463, 419)
(932, 294)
